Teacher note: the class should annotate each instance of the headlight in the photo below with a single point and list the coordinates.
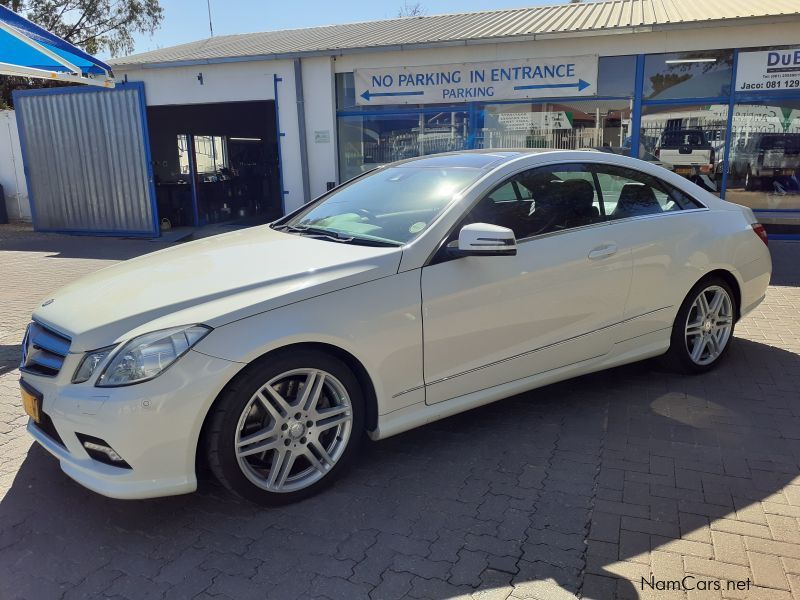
(148, 355)
(90, 362)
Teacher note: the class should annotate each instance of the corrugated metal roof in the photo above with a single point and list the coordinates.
(495, 25)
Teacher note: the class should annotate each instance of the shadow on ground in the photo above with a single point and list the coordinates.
(65, 246)
(786, 267)
(549, 492)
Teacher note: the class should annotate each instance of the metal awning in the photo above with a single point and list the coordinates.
(28, 50)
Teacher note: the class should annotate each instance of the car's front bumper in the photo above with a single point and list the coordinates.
(154, 426)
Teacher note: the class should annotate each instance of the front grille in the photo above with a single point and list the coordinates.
(43, 351)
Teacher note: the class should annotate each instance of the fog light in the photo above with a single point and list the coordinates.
(107, 450)
(100, 451)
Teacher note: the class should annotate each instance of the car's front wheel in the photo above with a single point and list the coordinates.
(703, 328)
(286, 427)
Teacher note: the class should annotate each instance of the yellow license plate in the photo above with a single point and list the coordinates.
(683, 170)
(32, 404)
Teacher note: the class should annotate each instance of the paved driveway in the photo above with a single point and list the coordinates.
(582, 488)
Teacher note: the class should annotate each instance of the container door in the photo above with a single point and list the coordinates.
(86, 154)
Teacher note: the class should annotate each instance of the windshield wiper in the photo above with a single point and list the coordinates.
(319, 232)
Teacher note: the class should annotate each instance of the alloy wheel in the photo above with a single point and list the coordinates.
(293, 430)
(709, 325)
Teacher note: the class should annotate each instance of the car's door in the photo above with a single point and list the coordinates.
(492, 320)
(664, 232)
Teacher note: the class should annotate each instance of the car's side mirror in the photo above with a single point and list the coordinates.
(483, 239)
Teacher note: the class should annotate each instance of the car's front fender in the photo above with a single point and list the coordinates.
(379, 323)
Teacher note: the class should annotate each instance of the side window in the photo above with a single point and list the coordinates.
(541, 200)
(512, 191)
(629, 193)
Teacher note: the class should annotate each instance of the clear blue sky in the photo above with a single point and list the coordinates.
(187, 20)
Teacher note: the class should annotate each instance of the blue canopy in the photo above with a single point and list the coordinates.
(28, 50)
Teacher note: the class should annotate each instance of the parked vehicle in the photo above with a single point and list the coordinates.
(766, 157)
(685, 149)
(691, 154)
(411, 293)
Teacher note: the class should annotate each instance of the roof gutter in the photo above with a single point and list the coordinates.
(730, 22)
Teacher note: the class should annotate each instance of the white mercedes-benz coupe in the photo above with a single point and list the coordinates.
(413, 292)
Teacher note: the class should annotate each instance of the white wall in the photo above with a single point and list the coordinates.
(12, 175)
(320, 109)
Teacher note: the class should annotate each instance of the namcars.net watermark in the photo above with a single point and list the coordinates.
(690, 582)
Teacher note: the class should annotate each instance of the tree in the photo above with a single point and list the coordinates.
(93, 25)
(411, 10)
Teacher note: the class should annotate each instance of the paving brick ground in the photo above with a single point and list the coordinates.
(578, 489)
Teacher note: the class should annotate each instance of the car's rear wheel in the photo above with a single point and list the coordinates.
(286, 428)
(703, 328)
(751, 182)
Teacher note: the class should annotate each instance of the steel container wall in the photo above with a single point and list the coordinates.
(86, 160)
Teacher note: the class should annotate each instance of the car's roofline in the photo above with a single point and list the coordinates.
(503, 156)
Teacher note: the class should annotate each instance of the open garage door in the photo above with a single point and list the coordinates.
(86, 155)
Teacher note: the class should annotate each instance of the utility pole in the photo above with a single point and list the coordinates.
(210, 26)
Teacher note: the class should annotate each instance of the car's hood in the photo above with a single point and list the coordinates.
(213, 281)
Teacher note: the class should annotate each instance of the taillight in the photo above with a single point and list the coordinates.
(759, 230)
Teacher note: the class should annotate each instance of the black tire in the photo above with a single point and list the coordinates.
(751, 183)
(678, 358)
(224, 421)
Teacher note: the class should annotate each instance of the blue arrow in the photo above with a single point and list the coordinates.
(367, 95)
(581, 85)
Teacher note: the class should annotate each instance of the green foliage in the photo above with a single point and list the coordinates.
(94, 25)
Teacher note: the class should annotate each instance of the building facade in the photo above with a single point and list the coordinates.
(261, 123)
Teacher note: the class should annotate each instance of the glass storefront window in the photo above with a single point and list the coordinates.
(373, 140)
(687, 139)
(565, 125)
(616, 76)
(764, 163)
(345, 91)
(679, 75)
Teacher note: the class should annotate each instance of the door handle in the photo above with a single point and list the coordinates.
(603, 251)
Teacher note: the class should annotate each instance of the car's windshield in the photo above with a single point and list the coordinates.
(394, 204)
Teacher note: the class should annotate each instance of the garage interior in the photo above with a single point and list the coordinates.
(215, 163)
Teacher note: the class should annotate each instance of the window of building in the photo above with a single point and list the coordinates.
(566, 125)
(679, 75)
(764, 160)
(368, 141)
(687, 139)
(616, 76)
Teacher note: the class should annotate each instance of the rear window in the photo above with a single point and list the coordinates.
(683, 138)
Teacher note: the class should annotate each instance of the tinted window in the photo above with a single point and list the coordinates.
(562, 197)
(616, 75)
(629, 193)
(683, 137)
(540, 201)
(699, 74)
